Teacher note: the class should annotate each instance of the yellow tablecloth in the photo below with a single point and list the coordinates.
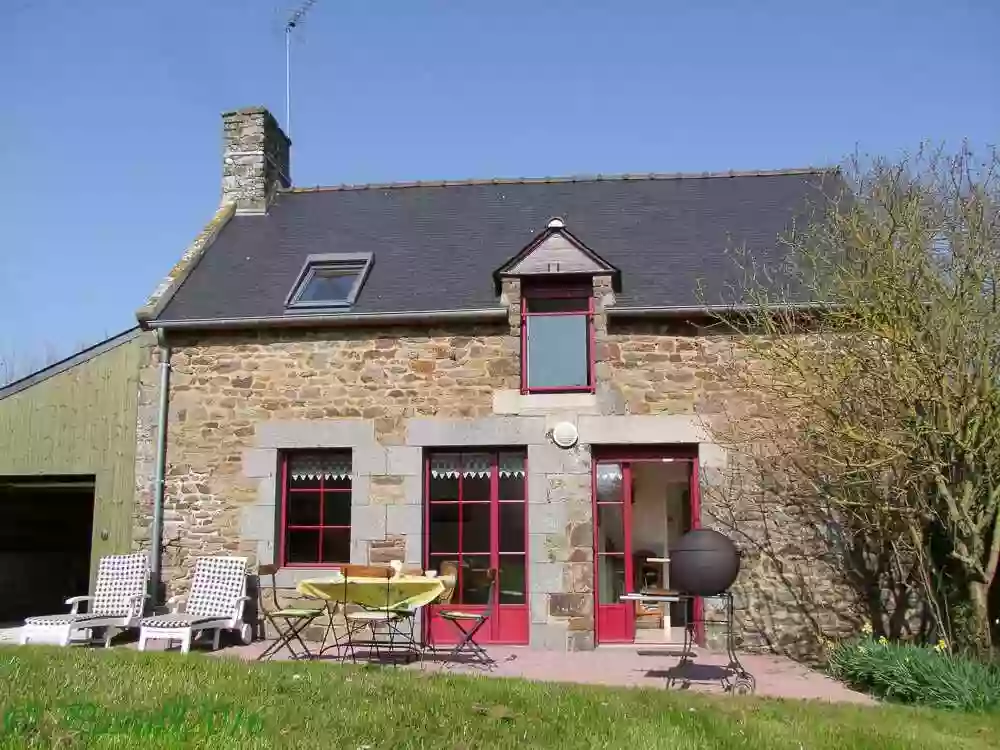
(404, 592)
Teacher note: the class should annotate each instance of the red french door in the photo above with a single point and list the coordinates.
(476, 520)
(613, 555)
(613, 550)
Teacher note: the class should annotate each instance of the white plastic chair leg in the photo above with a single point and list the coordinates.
(65, 636)
(215, 639)
(186, 642)
(142, 640)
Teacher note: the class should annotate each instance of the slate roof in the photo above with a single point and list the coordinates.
(436, 246)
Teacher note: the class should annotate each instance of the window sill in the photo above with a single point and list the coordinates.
(527, 404)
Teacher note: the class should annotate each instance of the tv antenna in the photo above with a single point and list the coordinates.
(293, 22)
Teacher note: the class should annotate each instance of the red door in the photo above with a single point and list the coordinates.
(476, 519)
(612, 482)
(613, 574)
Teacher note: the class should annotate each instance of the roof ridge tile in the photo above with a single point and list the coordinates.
(599, 177)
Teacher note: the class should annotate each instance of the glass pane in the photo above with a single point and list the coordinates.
(476, 488)
(609, 483)
(337, 483)
(336, 508)
(610, 579)
(511, 527)
(302, 546)
(557, 351)
(511, 581)
(302, 483)
(610, 528)
(329, 285)
(327, 465)
(476, 527)
(444, 527)
(510, 469)
(511, 487)
(444, 488)
(337, 545)
(475, 580)
(302, 508)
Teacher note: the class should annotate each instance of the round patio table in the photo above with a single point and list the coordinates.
(405, 593)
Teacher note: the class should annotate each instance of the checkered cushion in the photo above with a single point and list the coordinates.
(176, 620)
(120, 578)
(62, 619)
(218, 582)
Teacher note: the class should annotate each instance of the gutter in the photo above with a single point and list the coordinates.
(159, 479)
(669, 312)
(335, 319)
(432, 316)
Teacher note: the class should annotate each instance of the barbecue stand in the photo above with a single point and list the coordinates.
(736, 679)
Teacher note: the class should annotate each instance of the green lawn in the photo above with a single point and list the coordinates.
(95, 699)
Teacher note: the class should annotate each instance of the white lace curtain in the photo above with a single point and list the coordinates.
(452, 465)
(320, 465)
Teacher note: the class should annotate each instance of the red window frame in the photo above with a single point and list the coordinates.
(284, 527)
(567, 293)
(510, 622)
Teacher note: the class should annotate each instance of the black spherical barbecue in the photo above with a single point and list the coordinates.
(705, 563)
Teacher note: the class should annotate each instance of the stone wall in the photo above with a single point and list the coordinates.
(237, 400)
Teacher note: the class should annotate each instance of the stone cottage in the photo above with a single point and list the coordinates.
(507, 373)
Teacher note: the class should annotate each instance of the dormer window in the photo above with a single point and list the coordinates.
(329, 280)
(556, 272)
(557, 350)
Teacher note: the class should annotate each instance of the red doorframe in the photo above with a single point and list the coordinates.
(510, 622)
(627, 455)
(616, 620)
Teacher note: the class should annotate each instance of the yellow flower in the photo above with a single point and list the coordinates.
(941, 646)
(866, 629)
(883, 641)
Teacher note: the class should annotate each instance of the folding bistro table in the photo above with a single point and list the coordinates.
(404, 594)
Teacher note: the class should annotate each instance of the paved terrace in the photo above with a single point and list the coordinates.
(776, 676)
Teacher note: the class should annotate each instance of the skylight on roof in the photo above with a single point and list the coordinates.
(329, 280)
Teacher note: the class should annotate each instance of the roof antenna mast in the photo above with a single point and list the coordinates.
(293, 21)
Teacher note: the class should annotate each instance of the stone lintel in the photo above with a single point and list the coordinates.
(488, 431)
(315, 433)
(642, 429)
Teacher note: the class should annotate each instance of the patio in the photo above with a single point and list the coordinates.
(777, 676)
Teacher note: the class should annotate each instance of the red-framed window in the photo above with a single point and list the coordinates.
(557, 339)
(476, 520)
(315, 519)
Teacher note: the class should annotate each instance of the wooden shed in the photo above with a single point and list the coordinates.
(67, 474)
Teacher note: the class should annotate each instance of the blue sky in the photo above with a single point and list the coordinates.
(110, 129)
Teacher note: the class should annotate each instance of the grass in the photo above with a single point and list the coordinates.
(67, 698)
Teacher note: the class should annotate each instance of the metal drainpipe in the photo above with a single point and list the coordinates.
(159, 481)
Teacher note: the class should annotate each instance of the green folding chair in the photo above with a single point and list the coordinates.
(288, 622)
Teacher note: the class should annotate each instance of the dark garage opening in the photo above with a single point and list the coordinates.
(45, 530)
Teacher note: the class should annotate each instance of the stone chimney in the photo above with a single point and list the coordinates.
(255, 160)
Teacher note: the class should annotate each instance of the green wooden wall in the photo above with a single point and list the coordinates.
(82, 421)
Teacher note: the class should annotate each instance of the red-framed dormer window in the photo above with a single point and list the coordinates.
(557, 340)
(315, 520)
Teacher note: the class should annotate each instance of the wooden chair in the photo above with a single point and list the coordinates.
(288, 622)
